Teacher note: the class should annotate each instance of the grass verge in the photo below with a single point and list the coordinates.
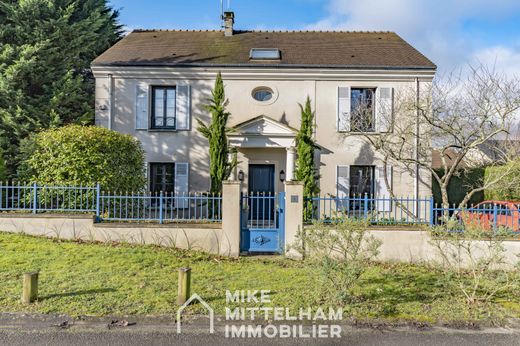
(98, 279)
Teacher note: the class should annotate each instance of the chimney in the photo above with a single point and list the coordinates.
(229, 20)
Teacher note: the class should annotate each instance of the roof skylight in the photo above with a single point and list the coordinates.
(264, 54)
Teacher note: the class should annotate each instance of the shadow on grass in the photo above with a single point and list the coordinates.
(77, 293)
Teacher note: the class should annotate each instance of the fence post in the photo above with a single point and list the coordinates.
(184, 286)
(365, 206)
(98, 192)
(30, 287)
(161, 207)
(231, 210)
(35, 198)
(495, 213)
(432, 216)
(293, 215)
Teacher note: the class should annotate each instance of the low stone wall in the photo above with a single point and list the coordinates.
(204, 237)
(398, 245)
(415, 246)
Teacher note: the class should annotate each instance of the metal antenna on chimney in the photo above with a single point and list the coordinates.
(221, 13)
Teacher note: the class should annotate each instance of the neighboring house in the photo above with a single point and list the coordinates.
(153, 84)
(491, 152)
(449, 156)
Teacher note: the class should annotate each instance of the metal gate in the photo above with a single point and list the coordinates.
(262, 223)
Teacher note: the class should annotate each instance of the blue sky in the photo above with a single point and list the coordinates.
(452, 33)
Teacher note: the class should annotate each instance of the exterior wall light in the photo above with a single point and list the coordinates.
(282, 175)
(241, 175)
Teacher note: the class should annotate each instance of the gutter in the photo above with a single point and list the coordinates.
(275, 66)
(417, 139)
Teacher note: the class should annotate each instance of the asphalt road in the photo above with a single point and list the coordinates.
(31, 331)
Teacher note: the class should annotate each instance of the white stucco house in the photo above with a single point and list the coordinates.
(153, 84)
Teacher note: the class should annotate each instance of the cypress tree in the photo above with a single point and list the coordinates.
(305, 169)
(216, 134)
(46, 47)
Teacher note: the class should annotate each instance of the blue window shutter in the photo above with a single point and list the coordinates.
(182, 170)
(382, 191)
(343, 186)
(384, 104)
(343, 116)
(183, 113)
(141, 107)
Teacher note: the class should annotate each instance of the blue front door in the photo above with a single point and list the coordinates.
(263, 214)
(261, 183)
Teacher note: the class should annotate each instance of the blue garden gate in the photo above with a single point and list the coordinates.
(262, 223)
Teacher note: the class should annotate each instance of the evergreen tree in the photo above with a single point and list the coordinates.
(46, 47)
(305, 168)
(216, 133)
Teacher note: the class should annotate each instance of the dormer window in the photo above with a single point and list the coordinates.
(264, 54)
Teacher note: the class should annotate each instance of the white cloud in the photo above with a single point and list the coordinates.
(507, 59)
(435, 27)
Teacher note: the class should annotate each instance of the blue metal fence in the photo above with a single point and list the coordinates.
(162, 207)
(260, 210)
(487, 215)
(490, 215)
(401, 210)
(35, 198)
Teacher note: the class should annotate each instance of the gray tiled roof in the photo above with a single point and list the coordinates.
(298, 49)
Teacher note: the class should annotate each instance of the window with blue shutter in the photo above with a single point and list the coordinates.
(163, 107)
(141, 106)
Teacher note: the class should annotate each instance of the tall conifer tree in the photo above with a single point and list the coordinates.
(305, 168)
(46, 48)
(216, 133)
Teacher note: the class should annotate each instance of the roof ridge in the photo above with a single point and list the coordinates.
(174, 30)
(269, 31)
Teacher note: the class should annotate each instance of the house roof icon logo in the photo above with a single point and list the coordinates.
(201, 301)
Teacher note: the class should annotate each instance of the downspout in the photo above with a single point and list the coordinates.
(110, 99)
(417, 155)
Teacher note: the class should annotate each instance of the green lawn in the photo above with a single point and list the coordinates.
(97, 279)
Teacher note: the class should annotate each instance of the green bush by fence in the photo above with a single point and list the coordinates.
(508, 186)
(3, 172)
(84, 155)
(460, 185)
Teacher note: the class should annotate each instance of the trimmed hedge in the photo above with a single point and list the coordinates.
(459, 186)
(74, 155)
(506, 189)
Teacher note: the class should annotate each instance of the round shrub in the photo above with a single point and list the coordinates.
(83, 155)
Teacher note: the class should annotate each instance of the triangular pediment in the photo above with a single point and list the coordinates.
(263, 125)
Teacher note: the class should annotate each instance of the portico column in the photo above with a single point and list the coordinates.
(290, 162)
(233, 173)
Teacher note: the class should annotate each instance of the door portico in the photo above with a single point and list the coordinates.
(265, 141)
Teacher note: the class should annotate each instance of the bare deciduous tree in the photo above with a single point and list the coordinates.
(458, 115)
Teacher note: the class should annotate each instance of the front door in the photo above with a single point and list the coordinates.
(261, 183)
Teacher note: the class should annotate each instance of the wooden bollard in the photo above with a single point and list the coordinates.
(30, 287)
(184, 285)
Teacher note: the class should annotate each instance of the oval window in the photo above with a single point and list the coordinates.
(263, 94)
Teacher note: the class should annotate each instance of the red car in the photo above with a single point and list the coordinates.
(483, 214)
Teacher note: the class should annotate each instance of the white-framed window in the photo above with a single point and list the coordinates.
(362, 115)
(365, 109)
(163, 107)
